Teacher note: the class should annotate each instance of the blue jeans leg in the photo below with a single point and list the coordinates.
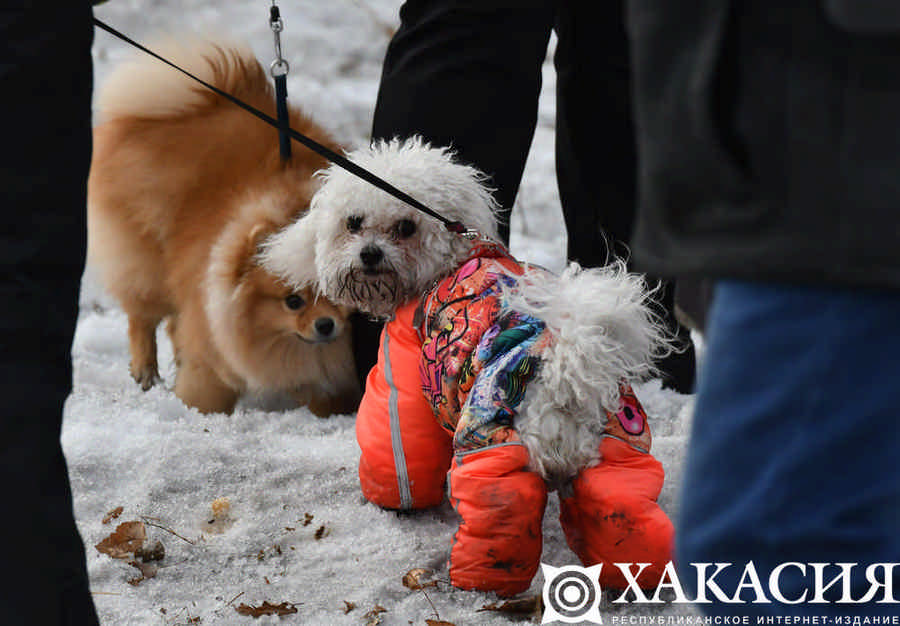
(795, 446)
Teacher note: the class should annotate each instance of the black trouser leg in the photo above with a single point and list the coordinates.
(596, 158)
(596, 154)
(467, 73)
(45, 79)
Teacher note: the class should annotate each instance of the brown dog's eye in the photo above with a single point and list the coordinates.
(294, 302)
(354, 223)
(406, 228)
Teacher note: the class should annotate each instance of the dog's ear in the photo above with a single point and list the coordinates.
(257, 235)
(253, 246)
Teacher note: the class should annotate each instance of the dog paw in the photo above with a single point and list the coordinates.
(146, 376)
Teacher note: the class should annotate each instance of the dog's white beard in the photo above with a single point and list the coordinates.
(377, 294)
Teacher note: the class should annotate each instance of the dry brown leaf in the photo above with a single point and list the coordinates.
(530, 605)
(148, 570)
(348, 606)
(111, 515)
(128, 537)
(267, 608)
(373, 617)
(307, 519)
(438, 622)
(413, 579)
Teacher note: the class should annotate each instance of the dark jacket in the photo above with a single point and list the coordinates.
(769, 139)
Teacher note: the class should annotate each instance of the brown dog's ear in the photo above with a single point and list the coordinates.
(255, 237)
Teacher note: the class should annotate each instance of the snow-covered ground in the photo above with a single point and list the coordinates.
(297, 531)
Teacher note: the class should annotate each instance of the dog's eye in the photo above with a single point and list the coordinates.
(405, 228)
(294, 302)
(354, 223)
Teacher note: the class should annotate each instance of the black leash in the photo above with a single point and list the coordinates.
(330, 155)
(279, 70)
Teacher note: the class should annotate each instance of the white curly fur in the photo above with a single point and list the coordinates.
(290, 253)
(604, 331)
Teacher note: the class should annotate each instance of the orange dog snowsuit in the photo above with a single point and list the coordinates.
(473, 360)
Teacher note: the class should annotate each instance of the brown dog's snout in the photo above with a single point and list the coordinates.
(371, 255)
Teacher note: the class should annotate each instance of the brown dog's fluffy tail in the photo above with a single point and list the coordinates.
(146, 87)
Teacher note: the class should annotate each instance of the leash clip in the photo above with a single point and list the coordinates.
(279, 66)
(460, 229)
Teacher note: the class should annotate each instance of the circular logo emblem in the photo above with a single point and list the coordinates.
(571, 593)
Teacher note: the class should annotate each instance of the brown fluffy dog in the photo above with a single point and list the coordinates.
(183, 187)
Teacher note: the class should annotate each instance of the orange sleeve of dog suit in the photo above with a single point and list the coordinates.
(405, 454)
(497, 546)
(612, 515)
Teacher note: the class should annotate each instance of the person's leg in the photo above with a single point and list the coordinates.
(45, 79)
(596, 158)
(467, 73)
(596, 155)
(793, 454)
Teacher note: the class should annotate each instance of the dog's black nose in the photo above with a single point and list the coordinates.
(324, 326)
(371, 255)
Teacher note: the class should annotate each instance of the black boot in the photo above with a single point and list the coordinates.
(678, 369)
